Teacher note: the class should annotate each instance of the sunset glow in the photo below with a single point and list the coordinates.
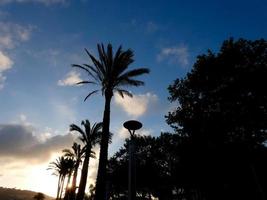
(39, 97)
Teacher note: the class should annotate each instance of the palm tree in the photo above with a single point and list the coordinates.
(77, 153)
(39, 196)
(89, 136)
(70, 164)
(109, 72)
(61, 169)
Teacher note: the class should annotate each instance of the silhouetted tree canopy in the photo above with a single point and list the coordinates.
(221, 118)
(223, 99)
(156, 164)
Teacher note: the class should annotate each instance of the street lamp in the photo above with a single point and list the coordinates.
(132, 126)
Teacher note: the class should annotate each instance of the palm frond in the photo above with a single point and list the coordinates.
(102, 56)
(91, 93)
(124, 92)
(98, 65)
(109, 70)
(134, 72)
(81, 67)
(123, 61)
(87, 69)
(74, 127)
(130, 82)
(96, 74)
(86, 82)
(68, 153)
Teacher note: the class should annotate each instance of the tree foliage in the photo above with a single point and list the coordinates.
(218, 149)
(222, 99)
(221, 117)
(156, 163)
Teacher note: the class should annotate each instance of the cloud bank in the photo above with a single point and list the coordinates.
(20, 143)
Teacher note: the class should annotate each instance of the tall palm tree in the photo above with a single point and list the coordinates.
(110, 72)
(90, 137)
(61, 169)
(77, 153)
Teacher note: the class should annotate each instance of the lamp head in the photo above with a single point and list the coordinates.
(132, 125)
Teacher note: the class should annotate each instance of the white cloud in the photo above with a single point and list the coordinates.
(176, 54)
(137, 105)
(72, 78)
(46, 2)
(5, 62)
(11, 35)
(6, 41)
(18, 141)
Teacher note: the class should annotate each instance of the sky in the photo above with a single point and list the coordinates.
(41, 39)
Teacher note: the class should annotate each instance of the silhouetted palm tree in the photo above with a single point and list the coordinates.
(39, 196)
(109, 72)
(89, 136)
(60, 167)
(70, 164)
(77, 153)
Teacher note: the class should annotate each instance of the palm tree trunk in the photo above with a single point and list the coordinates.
(74, 180)
(58, 187)
(84, 173)
(62, 186)
(100, 193)
(67, 190)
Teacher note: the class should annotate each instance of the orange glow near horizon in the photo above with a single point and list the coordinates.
(36, 177)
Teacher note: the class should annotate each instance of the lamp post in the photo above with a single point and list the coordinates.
(132, 126)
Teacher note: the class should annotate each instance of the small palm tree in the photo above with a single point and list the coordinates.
(61, 169)
(70, 164)
(90, 137)
(77, 154)
(39, 196)
(109, 72)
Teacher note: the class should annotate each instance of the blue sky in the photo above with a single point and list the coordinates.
(40, 39)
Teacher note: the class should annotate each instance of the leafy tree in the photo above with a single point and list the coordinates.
(109, 71)
(89, 136)
(39, 196)
(76, 154)
(221, 116)
(156, 167)
(221, 100)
